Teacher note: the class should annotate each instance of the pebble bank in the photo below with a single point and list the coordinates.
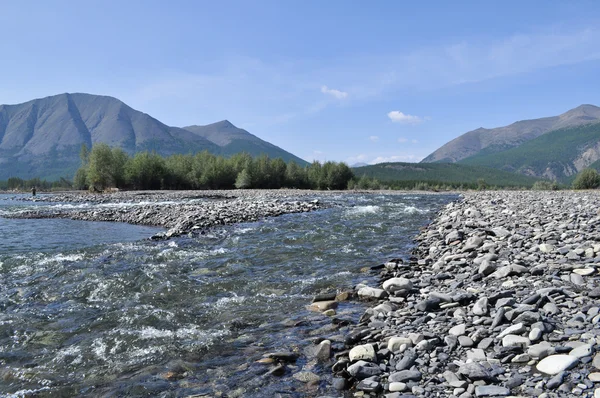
(500, 298)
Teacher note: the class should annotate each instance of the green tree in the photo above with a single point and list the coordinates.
(145, 171)
(243, 180)
(295, 176)
(119, 159)
(100, 168)
(80, 179)
(587, 179)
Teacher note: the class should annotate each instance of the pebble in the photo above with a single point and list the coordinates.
(499, 294)
(365, 352)
(491, 391)
(554, 364)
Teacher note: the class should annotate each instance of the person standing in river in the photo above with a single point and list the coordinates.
(33, 191)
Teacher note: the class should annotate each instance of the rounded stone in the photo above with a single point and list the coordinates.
(365, 352)
(555, 364)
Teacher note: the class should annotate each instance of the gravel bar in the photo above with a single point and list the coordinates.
(500, 298)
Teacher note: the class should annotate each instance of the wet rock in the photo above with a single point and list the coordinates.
(306, 377)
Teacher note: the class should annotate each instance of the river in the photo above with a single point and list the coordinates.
(97, 309)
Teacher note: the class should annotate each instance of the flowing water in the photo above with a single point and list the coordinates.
(95, 309)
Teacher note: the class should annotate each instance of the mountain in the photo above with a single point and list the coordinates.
(487, 141)
(556, 155)
(43, 137)
(232, 140)
(442, 173)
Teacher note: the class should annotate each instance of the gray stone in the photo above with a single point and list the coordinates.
(540, 350)
(491, 391)
(481, 306)
(474, 371)
(555, 381)
(528, 318)
(362, 370)
(596, 361)
(486, 268)
(408, 359)
(405, 375)
(465, 341)
(323, 351)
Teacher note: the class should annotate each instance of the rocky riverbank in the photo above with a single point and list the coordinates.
(180, 212)
(501, 298)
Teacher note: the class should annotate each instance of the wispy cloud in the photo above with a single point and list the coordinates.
(399, 117)
(404, 140)
(275, 91)
(396, 158)
(334, 93)
(374, 138)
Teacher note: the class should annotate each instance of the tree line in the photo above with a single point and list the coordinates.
(105, 167)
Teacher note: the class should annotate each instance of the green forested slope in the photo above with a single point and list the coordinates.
(444, 173)
(556, 150)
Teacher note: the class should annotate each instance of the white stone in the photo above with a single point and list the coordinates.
(371, 292)
(554, 364)
(397, 284)
(513, 329)
(394, 343)
(584, 271)
(397, 387)
(476, 355)
(512, 340)
(584, 350)
(458, 330)
(595, 377)
(546, 248)
(535, 334)
(365, 352)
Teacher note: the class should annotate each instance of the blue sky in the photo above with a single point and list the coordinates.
(329, 80)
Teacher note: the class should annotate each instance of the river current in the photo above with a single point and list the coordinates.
(97, 309)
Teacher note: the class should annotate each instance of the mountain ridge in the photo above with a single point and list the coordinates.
(42, 137)
(503, 138)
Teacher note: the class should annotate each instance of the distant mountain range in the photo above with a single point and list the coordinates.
(554, 147)
(43, 137)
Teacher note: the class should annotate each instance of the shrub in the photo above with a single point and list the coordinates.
(587, 179)
(545, 186)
